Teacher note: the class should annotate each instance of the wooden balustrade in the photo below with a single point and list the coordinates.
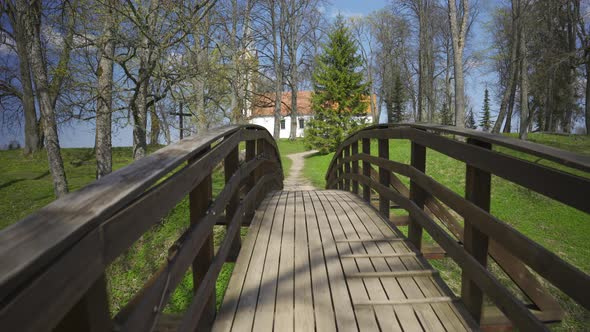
(52, 263)
(482, 234)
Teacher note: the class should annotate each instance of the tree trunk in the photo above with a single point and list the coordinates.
(155, 126)
(511, 84)
(104, 103)
(587, 101)
(32, 13)
(524, 79)
(294, 114)
(140, 121)
(28, 99)
(458, 32)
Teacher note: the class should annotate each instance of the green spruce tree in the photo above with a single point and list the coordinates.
(470, 121)
(339, 92)
(485, 123)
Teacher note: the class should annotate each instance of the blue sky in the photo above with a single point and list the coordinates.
(81, 134)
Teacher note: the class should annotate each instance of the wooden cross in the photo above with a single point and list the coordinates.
(180, 117)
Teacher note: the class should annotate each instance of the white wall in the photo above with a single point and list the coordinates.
(268, 123)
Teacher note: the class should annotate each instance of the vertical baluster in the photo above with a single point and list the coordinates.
(340, 171)
(367, 169)
(199, 201)
(384, 176)
(91, 313)
(355, 167)
(259, 172)
(231, 164)
(477, 190)
(347, 168)
(417, 194)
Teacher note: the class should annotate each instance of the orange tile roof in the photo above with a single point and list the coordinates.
(265, 105)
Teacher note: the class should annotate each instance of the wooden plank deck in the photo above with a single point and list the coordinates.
(326, 261)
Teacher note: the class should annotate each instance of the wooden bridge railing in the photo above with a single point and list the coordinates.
(52, 263)
(482, 234)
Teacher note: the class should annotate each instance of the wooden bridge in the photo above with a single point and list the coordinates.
(325, 260)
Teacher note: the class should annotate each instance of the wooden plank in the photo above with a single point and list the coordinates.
(22, 257)
(325, 319)
(559, 272)
(395, 288)
(417, 194)
(227, 311)
(400, 220)
(303, 298)
(401, 254)
(265, 307)
(377, 227)
(395, 274)
(426, 300)
(365, 316)
(501, 296)
(343, 311)
(385, 315)
(284, 318)
(244, 317)
(367, 239)
(478, 185)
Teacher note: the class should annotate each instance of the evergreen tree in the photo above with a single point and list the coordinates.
(485, 123)
(470, 121)
(398, 100)
(339, 92)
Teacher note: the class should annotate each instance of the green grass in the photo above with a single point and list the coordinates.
(562, 229)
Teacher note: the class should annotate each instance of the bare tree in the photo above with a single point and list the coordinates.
(104, 101)
(458, 23)
(31, 13)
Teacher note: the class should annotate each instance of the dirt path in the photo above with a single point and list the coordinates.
(296, 180)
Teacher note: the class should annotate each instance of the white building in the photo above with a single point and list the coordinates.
(264, 115)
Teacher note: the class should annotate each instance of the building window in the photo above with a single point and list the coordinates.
(283, 124)
(301, 123)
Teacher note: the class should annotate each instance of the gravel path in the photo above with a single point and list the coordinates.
(296, 180)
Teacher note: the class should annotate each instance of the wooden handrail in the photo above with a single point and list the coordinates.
(49, 261)
(567, 188)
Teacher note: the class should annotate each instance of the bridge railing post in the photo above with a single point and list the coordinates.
(417, 194)
(355, 166)
(384, 176)
(231, 164)
(340, 171)
(347, 168)
(366, 169)
(91, 313)
(199, 200)
(478, 191)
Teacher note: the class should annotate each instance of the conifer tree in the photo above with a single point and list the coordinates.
(485, 123)
(339, 92)
(470, 122)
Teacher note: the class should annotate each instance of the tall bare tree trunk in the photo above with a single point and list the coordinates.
(32, 143)
(458, 32)
(511, 84)
(524, 76)
(104, 103)
(32, 19)
(587, 101)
